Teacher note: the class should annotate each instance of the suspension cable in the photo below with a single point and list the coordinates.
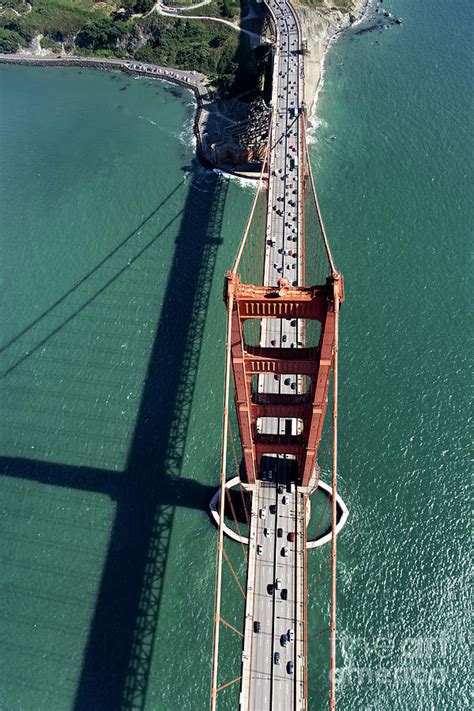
(231, 504)
(231, 627)
(220, 545)
(332, 671)
(320, 217)
(239, 585)
(249, 221)
(236, 463)
(224, 686)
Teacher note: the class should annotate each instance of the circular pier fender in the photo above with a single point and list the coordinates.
(341, 516)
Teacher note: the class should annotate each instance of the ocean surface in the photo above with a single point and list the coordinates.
(114, 244)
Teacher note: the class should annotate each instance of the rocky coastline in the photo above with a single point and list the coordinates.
(194, 81)
(209, 121)
(321, 29)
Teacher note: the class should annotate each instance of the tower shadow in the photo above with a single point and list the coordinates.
(119, 649)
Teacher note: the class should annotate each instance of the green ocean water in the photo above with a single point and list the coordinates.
(112, 362)
(395, 187)
(112, 265)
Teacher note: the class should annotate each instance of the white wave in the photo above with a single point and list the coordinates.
(186, 136)
(149, 120)
(368, 7)
(245, 183)
(315, 120)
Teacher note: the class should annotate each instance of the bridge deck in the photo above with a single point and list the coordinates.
(265, 684)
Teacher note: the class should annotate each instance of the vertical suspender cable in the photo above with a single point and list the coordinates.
(220, 545)
(332, 692)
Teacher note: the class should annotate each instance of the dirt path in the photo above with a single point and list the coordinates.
(162, 9)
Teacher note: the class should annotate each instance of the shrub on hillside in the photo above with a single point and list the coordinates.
(9, 41)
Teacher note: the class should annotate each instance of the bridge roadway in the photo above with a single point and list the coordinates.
(267, 685)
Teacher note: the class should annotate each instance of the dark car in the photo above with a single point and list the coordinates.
(280, 533)
(257, 626)
(273, 509)
(276, 658)
(270, 588)
(290, 667)
(284, 594)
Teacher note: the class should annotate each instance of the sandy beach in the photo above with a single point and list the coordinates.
(321, 30)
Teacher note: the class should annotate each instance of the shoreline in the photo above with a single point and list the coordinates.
(327, 33)
(194, 81)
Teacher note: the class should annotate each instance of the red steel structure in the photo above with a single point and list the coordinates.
(314, 303)
(313, 362)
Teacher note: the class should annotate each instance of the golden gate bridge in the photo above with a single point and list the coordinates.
(283, 296)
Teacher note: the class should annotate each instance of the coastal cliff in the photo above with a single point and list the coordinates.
(232, 123)
(319, 25)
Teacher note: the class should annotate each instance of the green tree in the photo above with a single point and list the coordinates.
(20, 26)
(9, 41)
(101, 33)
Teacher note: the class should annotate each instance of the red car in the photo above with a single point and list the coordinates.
(291, 537)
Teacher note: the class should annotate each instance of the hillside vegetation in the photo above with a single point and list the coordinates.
(326, 6)
(105, 30)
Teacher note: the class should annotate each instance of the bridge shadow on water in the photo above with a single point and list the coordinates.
(118, 654)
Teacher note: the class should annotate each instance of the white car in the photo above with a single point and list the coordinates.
(259, 549)
(278, 584)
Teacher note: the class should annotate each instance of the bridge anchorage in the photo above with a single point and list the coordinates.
(283, 297)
